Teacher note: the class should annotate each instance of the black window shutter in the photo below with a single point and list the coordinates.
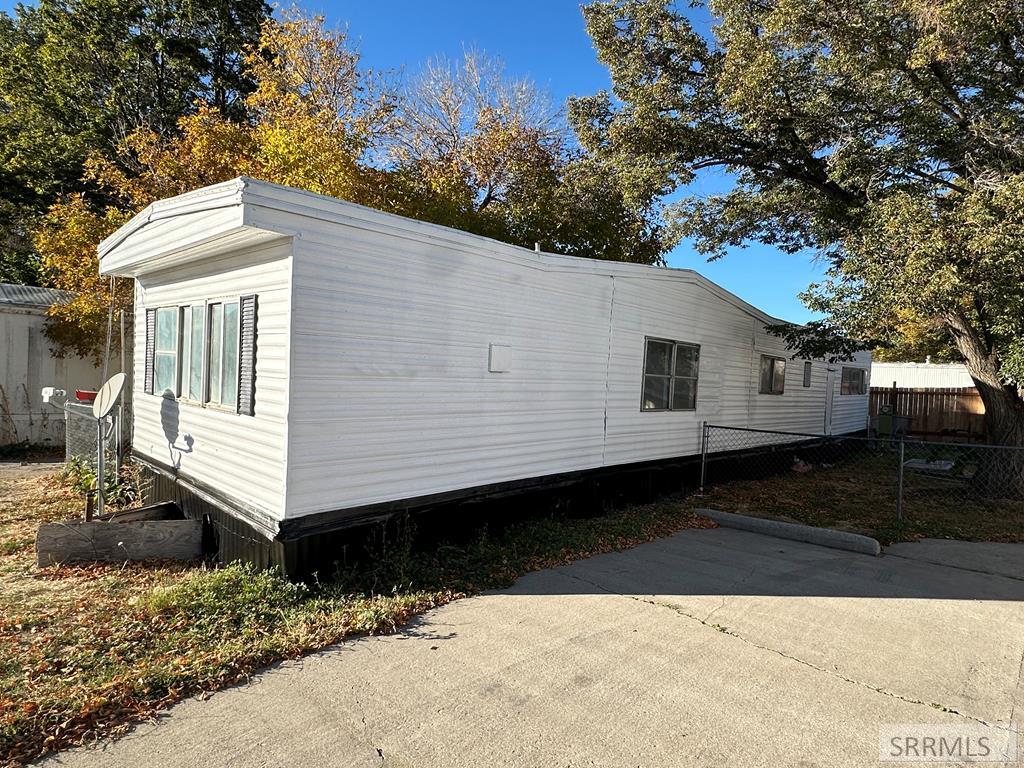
(150, 347)
(247, 355)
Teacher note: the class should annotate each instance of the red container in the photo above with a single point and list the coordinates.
(85, 395)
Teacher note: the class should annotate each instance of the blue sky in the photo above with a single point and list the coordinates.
(545, 40)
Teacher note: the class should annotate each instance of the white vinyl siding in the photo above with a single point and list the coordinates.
(27, 365)
(374, 344)
(921, 375)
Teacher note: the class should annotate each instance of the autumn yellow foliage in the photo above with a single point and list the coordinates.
(460, 145)
(312, 118)
(66, 242)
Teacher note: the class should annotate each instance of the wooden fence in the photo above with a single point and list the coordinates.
(953, 414)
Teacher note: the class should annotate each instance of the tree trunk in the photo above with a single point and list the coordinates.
(999, 472)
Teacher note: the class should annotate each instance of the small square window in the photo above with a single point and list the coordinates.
(853, 382)
(772, 379)
(670, 376)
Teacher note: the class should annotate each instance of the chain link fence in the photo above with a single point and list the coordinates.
(887, 485)
(82, 437)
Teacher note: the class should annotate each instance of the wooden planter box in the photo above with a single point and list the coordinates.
(78, 541)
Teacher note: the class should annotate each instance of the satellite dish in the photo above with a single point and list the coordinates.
(108, 396)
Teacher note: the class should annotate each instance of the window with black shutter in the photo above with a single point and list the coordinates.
(247, 356)
(205, 353)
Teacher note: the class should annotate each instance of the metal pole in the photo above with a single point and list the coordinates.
(899, 483)
(122, 342)
(99, 466)
(120, 406)
(703, 456)
(119, 436)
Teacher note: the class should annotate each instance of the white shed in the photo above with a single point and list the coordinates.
(304, 363)
(27, 364)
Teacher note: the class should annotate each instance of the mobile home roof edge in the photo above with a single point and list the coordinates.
(273, 195)
(227, 193)
(255, 193)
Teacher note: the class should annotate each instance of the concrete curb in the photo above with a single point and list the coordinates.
(824, 537)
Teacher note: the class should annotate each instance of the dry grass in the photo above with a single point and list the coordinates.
(85, 652)
(859, 495)
(18, 522)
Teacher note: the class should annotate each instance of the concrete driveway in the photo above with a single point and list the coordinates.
(711, 648)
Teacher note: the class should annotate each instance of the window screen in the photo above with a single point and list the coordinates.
(214, 345)
(807, 373)
(854, 381)
(670, 376)
(165, 353)
(773, 375)
(197, 337)
(222, 360)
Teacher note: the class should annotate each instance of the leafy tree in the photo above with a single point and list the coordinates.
(460, 146)
(471, 142)
(474, 149)
(67, 240)
(313, 118)
(887, 135)
(77, 76)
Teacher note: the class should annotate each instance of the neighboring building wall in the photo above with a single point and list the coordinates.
(921, 375)
(239, 455)
(26, 366)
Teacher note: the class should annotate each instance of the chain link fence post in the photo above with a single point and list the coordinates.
(899, 481)
(703, 456)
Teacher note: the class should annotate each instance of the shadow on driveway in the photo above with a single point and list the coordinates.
(723, 561)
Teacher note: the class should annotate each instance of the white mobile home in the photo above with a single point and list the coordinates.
(303, 362)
